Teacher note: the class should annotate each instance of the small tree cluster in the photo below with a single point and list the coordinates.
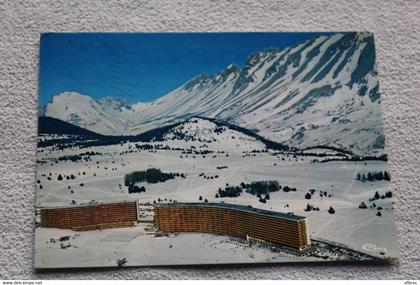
(261, 187)
(136, 189)
(377, 196)
(310, 207)
(373, 176)
(229, 191)
(289, 189)
(363, 205)
(331, 210)
(151, 175)
(324, 194)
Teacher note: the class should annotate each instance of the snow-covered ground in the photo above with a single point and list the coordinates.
(102, 178)
(104, 248)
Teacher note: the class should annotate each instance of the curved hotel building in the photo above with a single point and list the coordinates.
(234, 220)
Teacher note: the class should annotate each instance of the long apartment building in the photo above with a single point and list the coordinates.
(90, 216)
(234, 220)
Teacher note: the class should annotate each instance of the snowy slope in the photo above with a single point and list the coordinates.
(204, 134)
(320, 92)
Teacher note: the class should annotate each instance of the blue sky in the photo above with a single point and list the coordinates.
(141, 67)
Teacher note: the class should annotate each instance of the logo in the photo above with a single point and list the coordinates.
(373, 247)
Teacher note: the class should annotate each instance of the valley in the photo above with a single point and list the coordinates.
(213, 157)
(295, 130)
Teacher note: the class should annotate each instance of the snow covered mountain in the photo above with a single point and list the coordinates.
(323, 91)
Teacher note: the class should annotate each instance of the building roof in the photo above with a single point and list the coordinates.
(242, 208)
(86, 204)
(223, 205)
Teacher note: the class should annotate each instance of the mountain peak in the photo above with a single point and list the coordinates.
(329, 81)
(70, 95)
(253, 59)
(114, 103)
(199, 80)
(272, 50)
(231, 68)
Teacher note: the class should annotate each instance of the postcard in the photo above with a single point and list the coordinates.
(211, 148)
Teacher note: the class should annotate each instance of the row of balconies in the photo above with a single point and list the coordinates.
(179, 218)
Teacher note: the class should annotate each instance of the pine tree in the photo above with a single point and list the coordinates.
(121, 262)
(59, 178)
(331, 210)
(386, 176)
(362, 205)
(359, 177)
